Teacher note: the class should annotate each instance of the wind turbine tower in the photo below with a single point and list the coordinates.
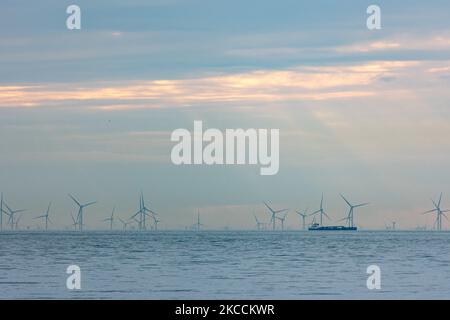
(349, 217)
(11, 215)
(439, 213)
(274, 213)
(47, 219)
(303, 214)
(282, 221)
(79, 219)
(1, 212)
(258, 223)
(321, 211)
(198, 224)
(110, 219)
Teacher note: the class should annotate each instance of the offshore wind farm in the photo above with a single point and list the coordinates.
(146, 219)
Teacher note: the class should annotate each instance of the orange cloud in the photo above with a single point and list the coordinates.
(300, 83)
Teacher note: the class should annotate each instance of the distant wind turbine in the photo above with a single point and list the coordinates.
(143, 213)
(303, 214)
(349, 217)
(321, 211)
(258, 223)
(79, 219)
(47, 219)
(11, 214)
(110, 219)
(282, 221)
(198, 224)
(125, 224)
(274, 213)
(155, 222)
(439, 213)
(16, 223)
(75, 223)
(1, 212)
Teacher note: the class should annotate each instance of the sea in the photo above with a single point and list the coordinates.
(225, 264)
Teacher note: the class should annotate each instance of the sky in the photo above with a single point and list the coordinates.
(90, 112)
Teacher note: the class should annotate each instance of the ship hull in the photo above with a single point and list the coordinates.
(332, 228)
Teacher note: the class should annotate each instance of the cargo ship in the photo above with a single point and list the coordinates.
(318, 227)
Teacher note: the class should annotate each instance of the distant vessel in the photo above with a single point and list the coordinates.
(318, 227)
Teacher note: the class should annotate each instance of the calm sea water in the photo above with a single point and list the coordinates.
(225, 265)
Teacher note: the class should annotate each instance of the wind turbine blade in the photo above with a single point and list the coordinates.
(361, 205)
(325, 214)
(315, 212)
(75, 200)
(134, 215)
(271, 210)
(48, 208)
(435, 204)
(40, 217)
(350, 205)
(151, 211)
(278, 211)
(7, 207)
(429, 211)
(90, 203)
(440, 198)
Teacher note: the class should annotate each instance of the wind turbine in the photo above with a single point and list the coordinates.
(303, 214)
(282, 221)
(439, 211)
(79, 219)
(138, 220)
(274, 213)
(198, 224)
(153, 215)
(321, 211)
(124, 224)
(75, 223)
(16, 223)
(150, 213)
(143, 213)
(110, 219)
(47, 219)
(258, 223)
(349, 217)
(2, 211)
(155, 222)
(11, 215)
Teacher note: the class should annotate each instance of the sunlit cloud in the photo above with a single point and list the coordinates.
(261, 86)
(399, 43)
